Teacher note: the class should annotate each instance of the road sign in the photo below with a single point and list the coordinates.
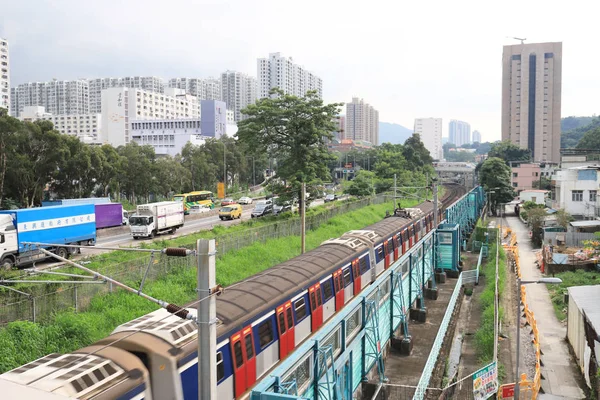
(508, 391)
(485, 382)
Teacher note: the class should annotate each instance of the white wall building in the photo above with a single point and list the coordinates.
(96, 86)
(238, 90)
(167, 136)
(57, 97)
(121, 106)
(476, 136)
(535, 195)
(430, 131)
(4, 75)
(459, 132)
(85, 126)
(362, 122)
(280, 72)
(203, 89)
(576, 191)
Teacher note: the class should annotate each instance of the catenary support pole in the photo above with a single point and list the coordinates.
(517, 379)
(207, 327)
(436, 221)
(395, 192)
(303, 217)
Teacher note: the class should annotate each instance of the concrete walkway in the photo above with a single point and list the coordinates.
(560, 370)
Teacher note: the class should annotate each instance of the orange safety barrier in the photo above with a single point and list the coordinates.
(529, 389)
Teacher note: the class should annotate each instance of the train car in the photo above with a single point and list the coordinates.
(263, 318)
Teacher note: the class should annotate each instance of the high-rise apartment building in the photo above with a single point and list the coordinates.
(57, 97)
(85, 126)
(362, 122)
(148, 83)
(203, 89)
(4, 75)
(531, 98)
(476, 137)
(280, 72)
(121, 106)
(238, 90)
(430, 131)
(459, 132)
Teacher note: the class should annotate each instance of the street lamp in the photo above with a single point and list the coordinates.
(549, 281)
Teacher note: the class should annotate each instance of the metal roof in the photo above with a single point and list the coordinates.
(582, 224)
(586, 298)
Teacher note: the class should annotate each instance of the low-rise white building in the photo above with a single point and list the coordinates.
(535, 195)
(121, 106)
(167, 136)
(85, 126)
(576, 190)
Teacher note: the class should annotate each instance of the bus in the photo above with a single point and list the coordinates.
(203, 197)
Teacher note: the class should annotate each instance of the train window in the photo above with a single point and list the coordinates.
(380, 254)
(300, 306)
(288, 314)
(319, 295)
(327, 289)
(396, 242)
(265, 333)
(239, 357)
(281, 322)
(249, 347)
(347, 277)
(220, 366)
(313, 301)
(364, 266)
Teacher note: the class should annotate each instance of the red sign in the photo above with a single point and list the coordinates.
(508, 391)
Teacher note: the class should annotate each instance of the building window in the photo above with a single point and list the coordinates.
(593, 195)
(514, 184)
(515, 174)
(577, 195)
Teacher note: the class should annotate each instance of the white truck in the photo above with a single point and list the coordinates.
(156, 218)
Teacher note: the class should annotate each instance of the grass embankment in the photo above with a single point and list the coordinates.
(22, 342)
(570, 278)
(484, 337)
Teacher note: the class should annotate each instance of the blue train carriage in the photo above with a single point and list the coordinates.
(108, 373)
(58, 225)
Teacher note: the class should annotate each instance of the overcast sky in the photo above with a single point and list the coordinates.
(407, 58)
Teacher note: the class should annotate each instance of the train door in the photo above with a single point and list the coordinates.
(404, 240)
(386, 254)
(338, 286)
(411, 235)
(244, 360)
(285, 327)
(396, 240)
(356, 273)
(316, 306)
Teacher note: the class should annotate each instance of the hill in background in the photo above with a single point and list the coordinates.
(393, 133)
(573, 129)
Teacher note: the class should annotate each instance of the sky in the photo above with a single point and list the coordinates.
(408, 59)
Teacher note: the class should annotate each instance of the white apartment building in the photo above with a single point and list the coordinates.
(167, 136)
(85, 126)
(430, 131)
(576, 191)
(96, 86)
(476, 136)
(362, 122)
(459, 132)
(280, 72)
(121, 106)
(203, 89)
(238, 91)
(4, 75)
(57, 97)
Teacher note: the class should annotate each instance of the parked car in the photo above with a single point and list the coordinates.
(227, 201)
(261, 210)
(231, 211)
(281, 208)
(330, 197)
(245, 200)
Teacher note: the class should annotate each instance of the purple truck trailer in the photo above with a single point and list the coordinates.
(109, 215)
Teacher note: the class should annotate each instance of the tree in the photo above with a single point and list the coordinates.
(535, 218)
(415, 153)
(563, 219)
(590, 140)
(8, 129)
(495, 176)
(508, 151)
(294, 131)
(543, 184)
(362, 184)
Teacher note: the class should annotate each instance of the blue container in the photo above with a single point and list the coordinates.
(55, 225)
(448, 236)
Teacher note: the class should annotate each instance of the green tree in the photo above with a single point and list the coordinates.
(495, 176)
(415, 153)
(563, 219)
(590, 140)
(508, 151)
(362, 184)
(535, 218)
(294, 131)
(9, 127)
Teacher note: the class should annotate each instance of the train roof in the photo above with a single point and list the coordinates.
(78, 375)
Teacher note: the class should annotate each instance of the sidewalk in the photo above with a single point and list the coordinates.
(560, 371)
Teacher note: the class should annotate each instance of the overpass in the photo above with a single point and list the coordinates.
(458, 172)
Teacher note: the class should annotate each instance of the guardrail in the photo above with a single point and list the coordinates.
(421, 389)
(472, 276)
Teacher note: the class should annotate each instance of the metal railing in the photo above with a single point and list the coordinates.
(423, 384)
(472, 276)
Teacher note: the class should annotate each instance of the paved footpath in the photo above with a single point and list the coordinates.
(560, 370)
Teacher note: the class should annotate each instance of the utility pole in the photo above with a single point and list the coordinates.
(224, 169)
(395, 193)
(207, 318)
(435, 203)
(253, 173)
(303, 217)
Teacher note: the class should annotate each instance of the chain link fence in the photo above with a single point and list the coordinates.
(43, 300)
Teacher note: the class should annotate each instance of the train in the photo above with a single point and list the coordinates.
(260, 321)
